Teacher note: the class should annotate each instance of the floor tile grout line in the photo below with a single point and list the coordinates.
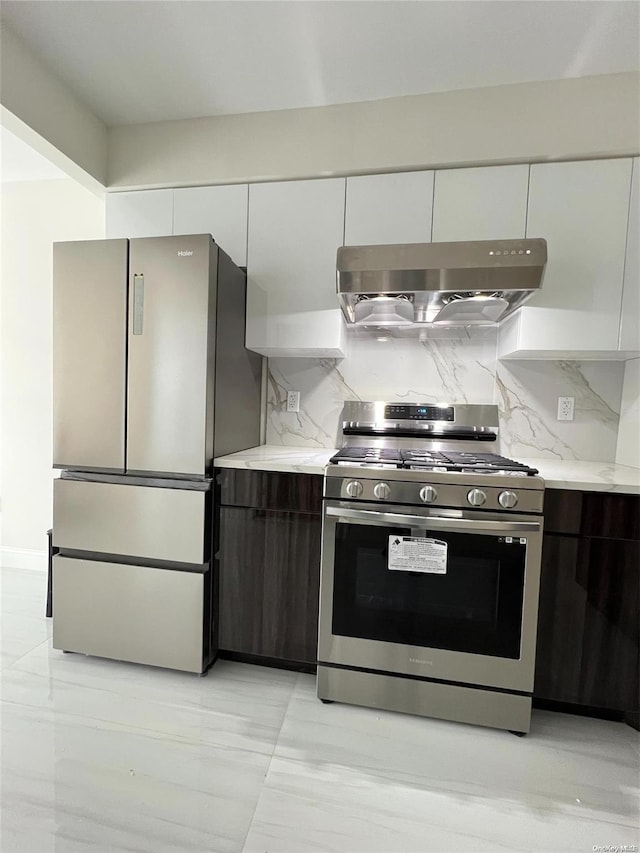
(141, 730)
(130, 727)
(348, 766)
(273, 751)
(138, 730)
(26, 654)
(421, 785)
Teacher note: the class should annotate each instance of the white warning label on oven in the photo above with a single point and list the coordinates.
(417, 554)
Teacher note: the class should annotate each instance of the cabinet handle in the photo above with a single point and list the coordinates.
(138, 303)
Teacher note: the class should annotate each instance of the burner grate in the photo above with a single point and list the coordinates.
(371, 455)
(461, 461)
(434, 460)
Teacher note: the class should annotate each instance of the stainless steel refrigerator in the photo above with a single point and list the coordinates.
(151, 379)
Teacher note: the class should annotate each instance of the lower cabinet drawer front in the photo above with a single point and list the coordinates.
(272, 490)
(136, 521)
(132, 613)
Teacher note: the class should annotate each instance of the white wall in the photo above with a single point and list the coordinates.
(34, 214)
(526, 122)
(628, 450)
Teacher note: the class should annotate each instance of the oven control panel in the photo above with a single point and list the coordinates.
(401, 412)
(436, 493)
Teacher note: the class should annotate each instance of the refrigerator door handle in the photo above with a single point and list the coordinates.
(138, 303)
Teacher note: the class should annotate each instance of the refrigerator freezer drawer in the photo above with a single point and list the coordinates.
(136, 521)
(131, 613)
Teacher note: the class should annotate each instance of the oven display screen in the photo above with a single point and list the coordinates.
(419, 413)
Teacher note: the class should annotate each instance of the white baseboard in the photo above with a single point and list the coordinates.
(23, 558)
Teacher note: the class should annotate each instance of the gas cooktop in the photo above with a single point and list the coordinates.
(423, 459)
(421, 437)
(414, 454)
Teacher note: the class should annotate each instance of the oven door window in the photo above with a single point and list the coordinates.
(474, 606)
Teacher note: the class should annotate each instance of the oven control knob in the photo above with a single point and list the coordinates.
(353, 489)
(507, 499)
(381, 491)
(476, 497)
(428, 494)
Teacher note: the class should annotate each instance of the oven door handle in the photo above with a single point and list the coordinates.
(386, 519)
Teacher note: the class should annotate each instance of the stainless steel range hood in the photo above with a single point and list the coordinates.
(470, 283)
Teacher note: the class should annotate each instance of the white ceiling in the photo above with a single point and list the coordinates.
(147, 61)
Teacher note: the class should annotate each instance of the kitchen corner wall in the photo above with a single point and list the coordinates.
(453, 366)
(34, 215)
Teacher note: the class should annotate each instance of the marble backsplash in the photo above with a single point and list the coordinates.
(456, 366)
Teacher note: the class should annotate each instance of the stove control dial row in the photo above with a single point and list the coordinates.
(507, 499)
(428, 494)
(476, 497)
(381, 491)
(353, 489)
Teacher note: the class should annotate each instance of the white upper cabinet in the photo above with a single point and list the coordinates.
(630, 321)
(487, 203)
(288, 234)
(148, 213)
(219, 211)
(581, 209)
(389, 209)
(295, 230)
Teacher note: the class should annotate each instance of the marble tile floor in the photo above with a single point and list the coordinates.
(103, 756)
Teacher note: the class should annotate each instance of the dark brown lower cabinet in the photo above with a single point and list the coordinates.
(269, 564)
(561, 617)
(589, 614)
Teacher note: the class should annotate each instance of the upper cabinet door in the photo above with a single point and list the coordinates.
(171, 309)
(295, 229)
(148, 213)
(630, 322)
(389, 209)
(89, 352)
(488, 203)
(219, 211)
(581, 209)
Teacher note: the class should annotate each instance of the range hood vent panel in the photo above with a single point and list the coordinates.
(472, 311)
(430, 273)
(384, 311)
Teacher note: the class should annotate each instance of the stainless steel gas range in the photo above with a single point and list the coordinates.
(431, 552)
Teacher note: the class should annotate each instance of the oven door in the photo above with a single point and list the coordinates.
(443, 594)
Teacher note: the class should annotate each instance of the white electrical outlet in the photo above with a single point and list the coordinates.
(565, 408)
(293, 401)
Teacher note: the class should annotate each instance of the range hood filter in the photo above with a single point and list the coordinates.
(472, 310)
(384, 311)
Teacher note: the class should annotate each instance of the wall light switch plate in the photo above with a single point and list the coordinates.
(565, 408)
(293, 401)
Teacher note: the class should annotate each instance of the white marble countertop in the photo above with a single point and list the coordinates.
(557, 473)
(587, 476)
(271, 457)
